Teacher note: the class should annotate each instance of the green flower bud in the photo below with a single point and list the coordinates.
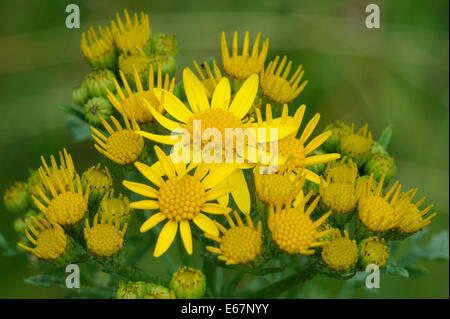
(96, 108)
(168, 63)
(159, 292)
(19, 223)
(127, 63)
(188, 283)
(16, 198)
(99, 181)
(373, 250)
(97, 80)
(377, 148)
(338, 129)
(132, 290)
(380, 164)
(164, 44)
(81, 95)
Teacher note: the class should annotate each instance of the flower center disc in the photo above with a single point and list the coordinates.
(181, 198)
(67, 208)
(125, 145)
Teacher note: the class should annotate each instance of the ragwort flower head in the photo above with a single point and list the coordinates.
(242, 66)
(99, 50)
(341, 253)
(133, 35)
(294, 231)
(180, 199)
(240, 244)
(373, 250)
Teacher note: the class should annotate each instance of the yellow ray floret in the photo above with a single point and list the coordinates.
(294, 231)
(96, 48)
(239, 244)
(294, 148)
(61, 174)
(220, 114)
(65, 206)
(413, 219)
(376, 212)
(341, 253)
(123, 145)
(342, 188)
(133, 35)
(180, 199)
(104, 239)
(212, 77)
(48, 237)
(276, 87)
(132, 103)
(243, 65)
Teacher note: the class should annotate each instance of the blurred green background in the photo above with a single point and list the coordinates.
(395, 75)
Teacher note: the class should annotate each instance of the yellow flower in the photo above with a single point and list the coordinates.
(291, 147)
(275, 85)
(413, 219)
(64, 173)
(123, 145)
(357, 145)
(341, 190)
(66, 206)
(240, 244)
(244, 65)
(115, 207)
(16, 198)
(373, 250)
(129, 62)
(132, 104)
(377, 213)
(180, 199)
(188, 283)
(99, 51)
(219, 114)
(49, 239)
(280, 188)
(294, 231)
(340, 253)
(104, 239)
(212, 77)
(132, 36)
(98, 179)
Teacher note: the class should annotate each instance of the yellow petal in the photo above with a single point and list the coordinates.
(245, 97)
(311, 176)
(164, 121)
(217, 192)
(195, 91)
(222, 94)
(141, 189)
(316, 142)
(149, 173)
(152, 222)
(176, 108)
(309, 128)
(166, 163)
(241, 194)
(215, 209)
(319, 159)
(166, 237)
(186, 235)
(206, 224)
(218, 175)
(145, 204)
(163, 139)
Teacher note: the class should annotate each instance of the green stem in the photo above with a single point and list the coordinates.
(113, 266)
(285, 284)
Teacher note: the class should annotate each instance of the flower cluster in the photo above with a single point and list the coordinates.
(325, 199)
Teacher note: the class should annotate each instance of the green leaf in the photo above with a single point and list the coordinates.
(9, 249)
(437, 249)
(385, 137)
(80, 130)
(70, 110)
(45, 281)
(394, 270)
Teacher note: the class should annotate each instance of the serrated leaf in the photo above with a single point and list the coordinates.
(45, 281)
(437, 248)
(70, 110)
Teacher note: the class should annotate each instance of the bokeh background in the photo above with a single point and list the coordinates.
(395, 75)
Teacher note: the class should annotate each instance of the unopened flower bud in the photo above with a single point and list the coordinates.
(164, 44)
(168, 63)
(81, 95)
(16, 198)
(99, 181)
(96, 108)
(188, 283)
(338, 129)
(132, 290)
(380, 164)
(97, 80)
